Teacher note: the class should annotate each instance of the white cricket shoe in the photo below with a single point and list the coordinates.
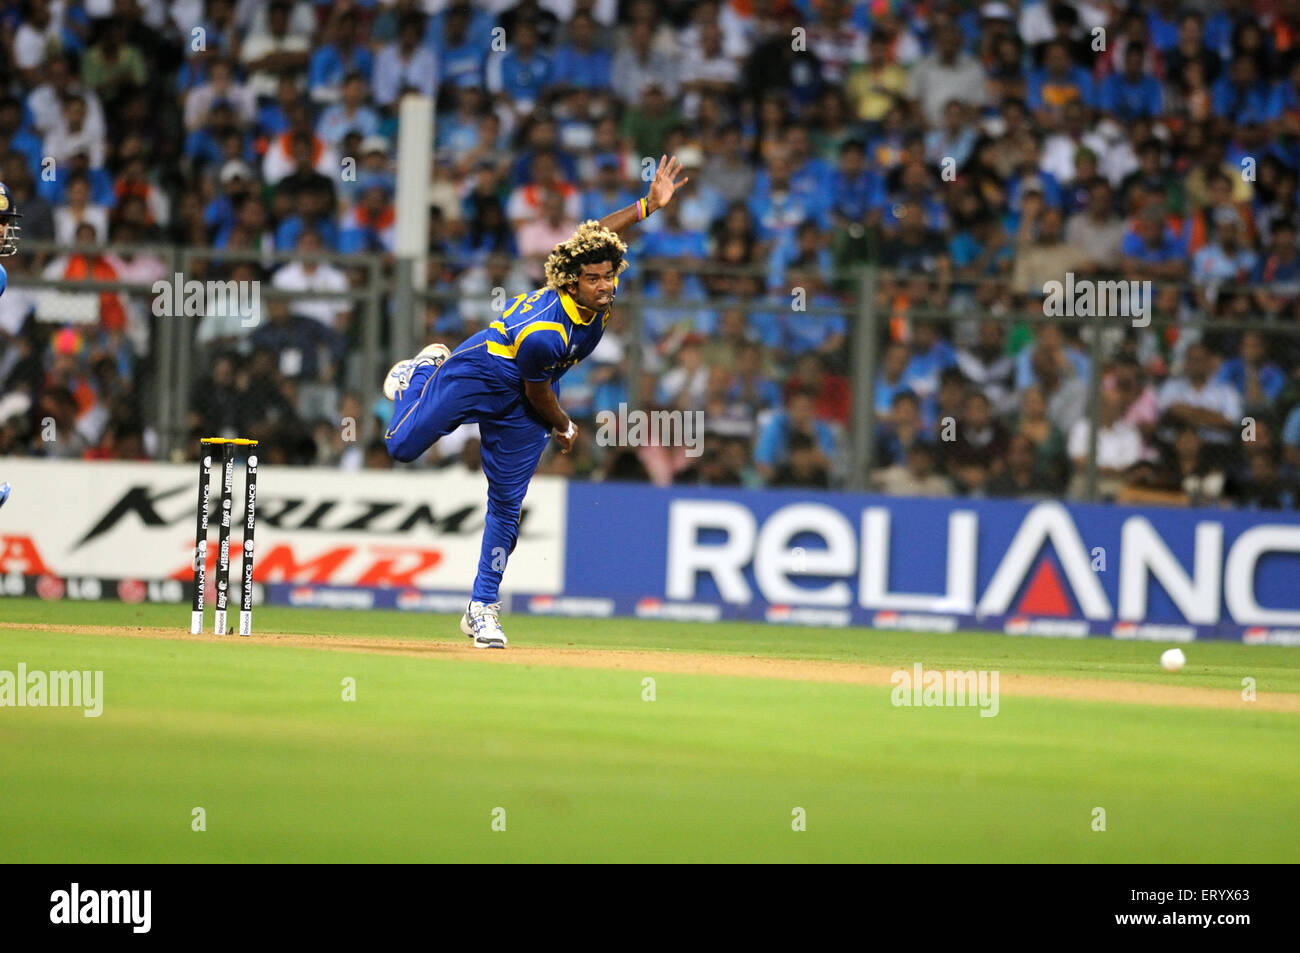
(481, 623)
(399, 376)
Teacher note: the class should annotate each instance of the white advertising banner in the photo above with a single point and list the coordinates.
(401, 529)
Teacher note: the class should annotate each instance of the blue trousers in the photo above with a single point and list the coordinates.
(512, 436)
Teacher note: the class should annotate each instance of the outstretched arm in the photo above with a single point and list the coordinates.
(548, 407)
(661, 193)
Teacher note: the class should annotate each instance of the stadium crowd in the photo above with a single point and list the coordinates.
(974, 152)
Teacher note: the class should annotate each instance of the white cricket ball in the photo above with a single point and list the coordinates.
(1171, 660)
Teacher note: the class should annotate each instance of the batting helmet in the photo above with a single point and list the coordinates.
(9, 219)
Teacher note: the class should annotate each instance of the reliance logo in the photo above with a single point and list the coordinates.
(782, 572)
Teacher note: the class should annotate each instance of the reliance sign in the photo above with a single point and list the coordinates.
(1215, 578)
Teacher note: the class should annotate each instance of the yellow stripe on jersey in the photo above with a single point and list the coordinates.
(542, 326)
(510, 350)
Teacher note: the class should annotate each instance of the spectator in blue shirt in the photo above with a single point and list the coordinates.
(519, 75)
(751, 384)
(1028, 177)
(610, 191)
(809, 171)
(350, 115)
(1243, 97)
(581, 62)
(337, 58)
(1152, 250)
(297, 343)
(765, 323)
(658, 319)
(1288, 93)
(54, 188)
(203, 146)
(673, 239)
(777, 207)
(275, 118)
(803, 250)
(21, 137)
(914, 184)
(459, 133)
(486, 228)
(822, 332)
(544, 138)
(981, 248)
(311, 213)
(954, 141)
(405, 64)
(1162, 25)
(370, 225)
(931, 356)
(1257, 379)
(890, 381)
(1131, 94)
(799, 417)
(480, 27)
(1277, 276)
(1291, 436)
(905, 429)
(914, 247)
(1057, 83)
(237, 183)
(854, 189)
(1192, 47)
(1226, 259)
(461, 49)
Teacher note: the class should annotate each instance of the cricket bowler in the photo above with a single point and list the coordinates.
(506, 379)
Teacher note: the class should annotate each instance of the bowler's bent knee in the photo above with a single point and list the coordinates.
(403, 447)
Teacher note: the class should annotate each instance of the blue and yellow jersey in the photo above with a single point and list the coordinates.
(538, 337)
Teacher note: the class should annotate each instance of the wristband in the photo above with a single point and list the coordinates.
(643, 209)
(568, 434)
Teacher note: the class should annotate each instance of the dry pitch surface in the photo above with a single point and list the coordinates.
(697, 663)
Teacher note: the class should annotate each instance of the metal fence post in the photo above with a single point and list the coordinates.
(635, 325)
(1094, 408)
(402, 329)
(862, 372)
(164, 382)
(372, 315)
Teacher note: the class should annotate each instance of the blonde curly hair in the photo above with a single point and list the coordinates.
(591, 243)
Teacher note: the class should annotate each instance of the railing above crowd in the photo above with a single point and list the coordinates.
(1091, 385)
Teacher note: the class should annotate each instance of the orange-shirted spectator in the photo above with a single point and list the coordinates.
(1221, 206)
(95, 267)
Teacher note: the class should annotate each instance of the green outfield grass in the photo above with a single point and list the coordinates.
(260, 738)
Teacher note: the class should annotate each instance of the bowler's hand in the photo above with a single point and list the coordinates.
(665, 183)
(566, 439)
